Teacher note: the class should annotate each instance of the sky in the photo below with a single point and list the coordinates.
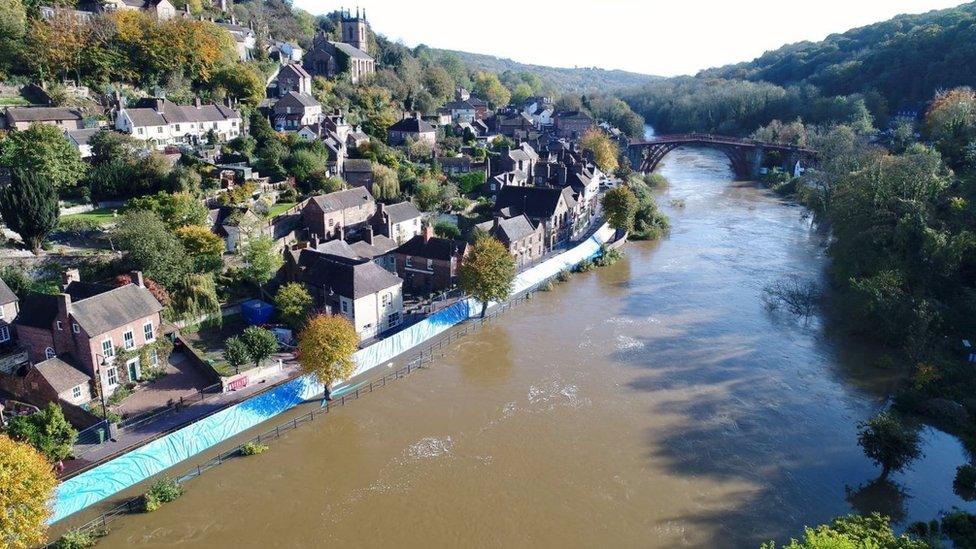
(664, 38)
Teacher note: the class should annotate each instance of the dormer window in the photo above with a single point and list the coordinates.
(75, 328)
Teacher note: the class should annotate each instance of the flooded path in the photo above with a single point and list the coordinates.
(655, 403)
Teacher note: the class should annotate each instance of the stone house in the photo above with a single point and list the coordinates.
(339, 214)
(293, 78)
(524, 239)
(411, 127)
(87, 323)
(572, 124)
(399, 222)
(427, 263)
(295, 110)
(551, 208)
(358, 172)
(66, 119)
(331, 59)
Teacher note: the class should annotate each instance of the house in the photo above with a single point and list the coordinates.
(160, 122)
(55, 379)
(371, 247)
(400, 222)
(460, 111)
(292, 78)
(358, 172)
(516, 178)
(338, 214)
(330, 59)
(161, 10)
(285, 52)
(80, 139)
(245, 40)
(524, 239)
(455, 165)
(572, 124)
(412, 128)
(295, 110)
(552, 208)
(514, 125)
(8, 312)
(370, 296)
(427, 263)
(20, 118)
(522, 159)
(86, 325)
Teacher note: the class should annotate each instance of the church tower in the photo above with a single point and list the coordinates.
(354, 30)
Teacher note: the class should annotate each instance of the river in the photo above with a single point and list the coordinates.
(654, 403)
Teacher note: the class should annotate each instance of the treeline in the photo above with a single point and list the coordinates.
(907, 58)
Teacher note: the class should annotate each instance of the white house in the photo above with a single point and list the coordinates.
(160, 122)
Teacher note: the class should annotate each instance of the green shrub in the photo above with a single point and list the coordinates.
(564, 275)
(110, 415)
(120, 394)
(79, 539)
(78, 226)
(162, 491)
(253, 448)
(585, 266)
(546, 286)
(607, 257)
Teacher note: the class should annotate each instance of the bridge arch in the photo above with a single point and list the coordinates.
(747, 156)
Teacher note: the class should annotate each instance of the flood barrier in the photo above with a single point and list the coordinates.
(129, 469)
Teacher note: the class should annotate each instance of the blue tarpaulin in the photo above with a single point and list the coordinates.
(109, 478)
(255, 312)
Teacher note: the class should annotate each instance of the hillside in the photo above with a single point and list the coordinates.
(906, 58)
(564, 79)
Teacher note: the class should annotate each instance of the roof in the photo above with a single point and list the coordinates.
(573, 114)
(60, 375)
(40, 114)
(81, 137)
(534, 202)
(346, 277)
(38, 310)
(351, 51)
(296, 99)
(161, 112)
(455, 161)
(412, 124)
(109, 310)
(401, 211)
(357, 165)
(296, 68)
(515, 228)
(6, 294)
(381, 245)
(340, 200)
(434, 248)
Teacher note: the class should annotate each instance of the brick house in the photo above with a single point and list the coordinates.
(427, 263)
(338, 214)
(65, 119)
(12, 354)
(293, 78)
(87, 323)
(400, 221)
(295, 110)
(551, 208)
(572, 124)
(358, 172)
(524, 239)
(411, 127)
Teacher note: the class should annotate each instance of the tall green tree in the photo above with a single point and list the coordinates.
(261, 260)
(153, 248)
(261, 344)
(889, 442)
(47, 430)
(29, 206)
(487, 273)
(619, 207)
(294, 303)
(43, 150)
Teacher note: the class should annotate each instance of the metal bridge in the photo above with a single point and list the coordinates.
(747, 155)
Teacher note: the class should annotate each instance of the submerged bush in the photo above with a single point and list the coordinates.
(608, 257)
(79, 539)
(162, 491)
(564, 275)
(253, 448)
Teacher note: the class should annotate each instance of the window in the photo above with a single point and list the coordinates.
(1, 311)
(409, 261)
(331, 222)
(154, 358)
(49, 353)
(159, 129)
(139, 131)
(112, 377)
(128, 340)
(60, 326)
(108, 349)
(393, 319)
(177, 127)
(75, 328)
(387, 299)
(430, 264)
(76, 392)
(4, 334)
(345, 306)
(147, 331)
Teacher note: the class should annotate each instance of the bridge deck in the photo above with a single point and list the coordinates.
(704, 138)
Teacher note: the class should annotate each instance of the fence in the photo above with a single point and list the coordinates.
(199, 396)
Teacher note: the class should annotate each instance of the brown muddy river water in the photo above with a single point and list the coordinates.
(655, 403)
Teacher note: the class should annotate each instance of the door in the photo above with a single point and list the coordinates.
(133, 369)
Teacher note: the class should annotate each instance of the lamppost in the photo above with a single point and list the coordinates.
(101, 387)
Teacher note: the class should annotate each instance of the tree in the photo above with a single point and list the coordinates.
(152, 247)
(261, 260)
(240, 82)
(619, 207)
(305, 163)
(605, 151)
(236, 352)
(853, 532)
(427, 193)
(29, 206)
(204, 247)
(195, 295)
(43, 150)
(323, 183)
(26, 486)
(294, 303)
(47, 431)
(521, 92)
(325, 349)
(438, 82)
(488, 86)
(888, 442)
(261, 344)
(109, 146)
(446, 229)
(487, 273)
(386, 184)
(175, 209)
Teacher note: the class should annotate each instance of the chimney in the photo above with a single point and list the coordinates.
(69, 276)
(368, 235)
(428, 232)
(64, 306)
(136, 277)
(196, 101)
(496, 221)
(562, 174)
(313, 242)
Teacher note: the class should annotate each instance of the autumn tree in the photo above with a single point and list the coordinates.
(175, 209)
(240, 82)
(54, 45)
(386, 184)
(487, 272)
(294, 304)
(888, 442)
(204, 247)
(605, 152)
(619, 207)
(951, 123)
(26, 486)
(29, 206)
(488, 86)
(325, 349)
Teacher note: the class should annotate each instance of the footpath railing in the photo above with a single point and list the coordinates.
(431, 351)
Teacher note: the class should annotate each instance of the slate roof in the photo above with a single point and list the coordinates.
(412, 125)
(401, 211)
(357, 165)
(349, 278)
(340, 200)
(38, 114)
(534, 202)
(6, 294)
(38, 311)
(117, 307)
(297, 69)
(351, 51)
(455, 161)
(82, 137)
(381, 245)
(295, 99)
(511, 229)
(161, 112)
(60, 375)
(435, 248)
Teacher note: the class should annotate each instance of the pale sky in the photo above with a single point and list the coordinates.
(664, 38)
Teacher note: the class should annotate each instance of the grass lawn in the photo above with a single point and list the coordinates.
(13, 101)
(102, 216)
(280, 208)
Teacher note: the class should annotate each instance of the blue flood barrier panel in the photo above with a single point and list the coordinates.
(131, 468)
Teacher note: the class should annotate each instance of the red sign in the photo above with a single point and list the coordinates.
(238, 383)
